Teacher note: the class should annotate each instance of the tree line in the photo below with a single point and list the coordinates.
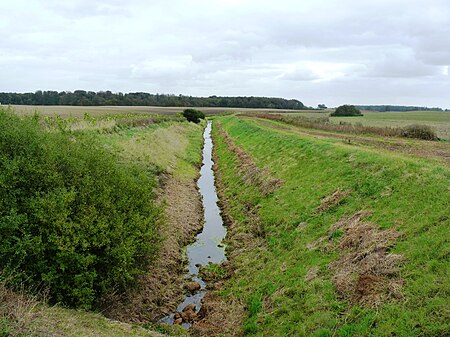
(386, 108)
(91, 98)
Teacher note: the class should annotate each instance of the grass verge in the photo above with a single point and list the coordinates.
(288, 283)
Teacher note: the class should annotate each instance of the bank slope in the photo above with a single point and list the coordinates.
(353, 242)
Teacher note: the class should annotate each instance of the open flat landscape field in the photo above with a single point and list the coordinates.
(438, 120)
(79, 111)
(329, 233)
(231, 169)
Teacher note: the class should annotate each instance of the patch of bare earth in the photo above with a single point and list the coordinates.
(160, 290)
(332, 200)
(366, 273)
(251, 174)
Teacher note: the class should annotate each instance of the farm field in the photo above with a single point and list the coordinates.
(438, 120)
(350, 240)
(79, 111)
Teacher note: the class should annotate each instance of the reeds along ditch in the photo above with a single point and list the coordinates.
(73, 219)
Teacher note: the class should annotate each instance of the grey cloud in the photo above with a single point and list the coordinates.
(403, 66)
(321, 51)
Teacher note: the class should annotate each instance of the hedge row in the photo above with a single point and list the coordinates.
(72, 218)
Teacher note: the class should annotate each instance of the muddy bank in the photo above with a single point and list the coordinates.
(207, 248)
(161, 289)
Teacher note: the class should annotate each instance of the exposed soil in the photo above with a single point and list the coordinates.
(161, 289)
(332, 200)
(366, 273)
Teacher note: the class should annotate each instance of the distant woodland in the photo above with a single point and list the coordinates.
(91, 98)
(385, 108)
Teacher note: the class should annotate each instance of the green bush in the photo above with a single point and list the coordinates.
(72, 219)
(193, 115)
(419, 131)
(346, 110)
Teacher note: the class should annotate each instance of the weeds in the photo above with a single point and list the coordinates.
(419, 131)
(71, 217)
(323, 123)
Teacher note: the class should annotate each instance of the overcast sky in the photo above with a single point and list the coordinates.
(318, 51)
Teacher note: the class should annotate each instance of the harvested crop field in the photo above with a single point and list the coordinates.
(79, 111)
(438, 120)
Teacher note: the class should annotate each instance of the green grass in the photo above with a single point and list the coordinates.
(409, 194)
(169, 147)
(438, 120)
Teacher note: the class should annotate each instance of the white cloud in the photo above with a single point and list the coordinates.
(319, 51)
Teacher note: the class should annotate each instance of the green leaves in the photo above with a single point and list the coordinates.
(72, 218)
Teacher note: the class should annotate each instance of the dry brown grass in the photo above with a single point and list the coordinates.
(323, 123)
(19, 310)
(366, 272)
(332, 200)
(219, 317)
(79, 111)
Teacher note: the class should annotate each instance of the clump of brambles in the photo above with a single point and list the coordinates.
(419, 131)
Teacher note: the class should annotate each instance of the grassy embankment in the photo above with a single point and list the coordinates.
(381, 273)
(49, 173)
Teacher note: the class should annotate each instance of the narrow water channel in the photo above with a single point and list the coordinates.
(207, 248)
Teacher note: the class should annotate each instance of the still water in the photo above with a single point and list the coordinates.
(206, 249)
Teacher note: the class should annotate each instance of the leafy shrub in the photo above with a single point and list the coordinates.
(419, 131)
(193, 115)
(346, 110)
(72, 219)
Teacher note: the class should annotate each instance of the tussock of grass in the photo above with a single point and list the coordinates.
(23, 315)
(288, 284)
